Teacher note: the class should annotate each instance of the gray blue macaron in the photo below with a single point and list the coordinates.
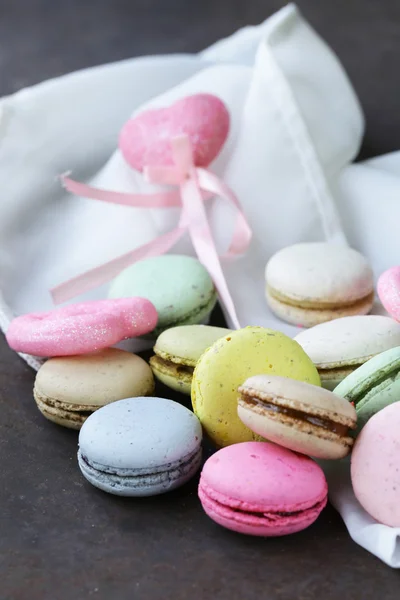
(373, 386)
(140, 446)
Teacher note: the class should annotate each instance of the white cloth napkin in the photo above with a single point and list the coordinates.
(296, 126)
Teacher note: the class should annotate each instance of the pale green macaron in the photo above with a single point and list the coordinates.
(177, 351)
(373, 386)
(179, 287)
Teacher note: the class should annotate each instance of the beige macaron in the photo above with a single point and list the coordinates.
(300, 416)
(308, 284)
(68, 389)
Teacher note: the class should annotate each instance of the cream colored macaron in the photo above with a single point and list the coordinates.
(308, 284)
(70, 388)
(302, 417)
(339, 347)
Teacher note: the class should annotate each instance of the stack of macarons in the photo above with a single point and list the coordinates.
(179, 286)
(247, 386)
(254, 385)
(83, 371)
(256, 393)
(177, 351)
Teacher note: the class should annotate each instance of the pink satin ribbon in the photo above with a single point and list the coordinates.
(195, 185)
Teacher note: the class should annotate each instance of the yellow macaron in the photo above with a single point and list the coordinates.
(228, 363)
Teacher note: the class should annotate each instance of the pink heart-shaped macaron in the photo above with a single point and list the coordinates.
(388, 289)
(81, 328)
(145, 140)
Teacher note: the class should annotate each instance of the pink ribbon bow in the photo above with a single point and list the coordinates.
(193, 218)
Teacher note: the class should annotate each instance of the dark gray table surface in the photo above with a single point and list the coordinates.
(60, 539)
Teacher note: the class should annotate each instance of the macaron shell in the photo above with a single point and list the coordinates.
(94, 379)
(252, 525)
(349, 340)
(261, 476)
(296, 434)
(381, 396)
(228, 363)
(143, 434)
(374, 385)
(60, 416)
(179, 287)
(388, 288)
(187, 343)
(320, 272)
(308, 317)
(148, 484)
(182, 346)
(300, 395)
(180, 383)
(307, 440)
(375, 466)
(246, 487)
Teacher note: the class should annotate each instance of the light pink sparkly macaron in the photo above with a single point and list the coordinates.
(375, 466)
(388, 289)
(262, 489)
(81, 328)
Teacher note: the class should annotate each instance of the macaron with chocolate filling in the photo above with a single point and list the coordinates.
(297, 415)
(177, 351)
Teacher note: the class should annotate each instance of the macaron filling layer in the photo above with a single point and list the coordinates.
(138, 478)
(169, 367)
(344, 370)
(317, 304)
(77, 413)
(248, 401)
(70, 411)
(226, 507)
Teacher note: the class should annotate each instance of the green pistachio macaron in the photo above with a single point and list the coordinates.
(177, 351)
(179, 287)
(373, 386)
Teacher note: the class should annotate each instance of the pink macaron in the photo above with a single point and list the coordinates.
(145, 140)
(388, 288)
(375, 466)
(259, 488)
(81, 328)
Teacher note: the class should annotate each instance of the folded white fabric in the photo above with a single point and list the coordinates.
(296, 126)
(381, 540)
